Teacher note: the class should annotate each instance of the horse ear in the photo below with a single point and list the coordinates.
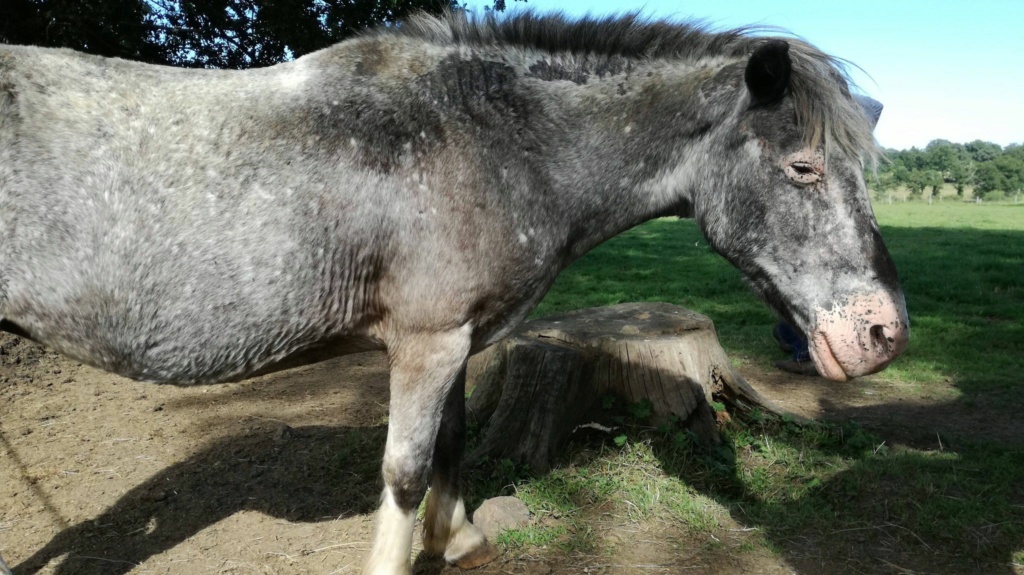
(872, 108)
(768, 71)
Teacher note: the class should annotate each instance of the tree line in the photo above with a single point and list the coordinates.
(201, 33)
(991, 170)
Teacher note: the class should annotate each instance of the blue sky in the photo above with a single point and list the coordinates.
(951, 69)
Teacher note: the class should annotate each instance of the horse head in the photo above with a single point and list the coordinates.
(791, 209)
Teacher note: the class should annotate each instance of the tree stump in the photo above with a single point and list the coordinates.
(532, 389)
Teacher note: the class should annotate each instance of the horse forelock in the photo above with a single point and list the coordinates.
(821, 90)
(820, 84)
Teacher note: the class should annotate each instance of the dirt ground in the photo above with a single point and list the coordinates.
(103, 475)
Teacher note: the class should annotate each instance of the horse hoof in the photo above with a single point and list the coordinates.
(482, 555)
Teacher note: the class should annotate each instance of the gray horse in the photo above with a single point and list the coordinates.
(417, 190)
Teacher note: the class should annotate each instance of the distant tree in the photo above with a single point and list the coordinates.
(900, 175)
(914, 159)
(982, 151)
(986, 166)
(963, 172)
(941, 155)
(989, 179)
(916, 181)
(932, 181)
(1011, 166)
(883, 184)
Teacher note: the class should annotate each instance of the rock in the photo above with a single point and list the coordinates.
(500, 513)
(155, 494)
(282, 433)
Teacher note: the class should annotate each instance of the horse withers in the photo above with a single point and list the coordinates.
(417, 190)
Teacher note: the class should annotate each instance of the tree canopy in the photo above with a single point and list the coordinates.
(200, 33)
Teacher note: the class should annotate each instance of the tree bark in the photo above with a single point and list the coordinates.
(531, 390)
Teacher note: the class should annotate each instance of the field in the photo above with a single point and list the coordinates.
(926, 476)
(919, 469)
(947, 193)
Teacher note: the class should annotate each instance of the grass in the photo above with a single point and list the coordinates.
(837, 488)
(665, 260)
(962, 268)
(816, 485)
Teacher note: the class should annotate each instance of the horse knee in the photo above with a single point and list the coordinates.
(407, 484)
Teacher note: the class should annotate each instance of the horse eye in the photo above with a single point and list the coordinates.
(802, 168)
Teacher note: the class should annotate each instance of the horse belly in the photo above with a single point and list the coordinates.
(198, 318)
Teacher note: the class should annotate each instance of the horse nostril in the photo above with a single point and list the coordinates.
(879, 340)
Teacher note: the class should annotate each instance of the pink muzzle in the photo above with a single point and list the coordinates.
(858, 336)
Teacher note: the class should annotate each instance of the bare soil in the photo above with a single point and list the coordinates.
(279, 474)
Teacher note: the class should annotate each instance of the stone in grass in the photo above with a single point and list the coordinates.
(500, 513)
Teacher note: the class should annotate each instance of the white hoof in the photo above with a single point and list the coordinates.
(469, 548)
(447, 532)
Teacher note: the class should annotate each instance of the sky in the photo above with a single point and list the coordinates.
(944, 69)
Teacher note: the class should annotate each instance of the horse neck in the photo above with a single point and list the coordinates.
(629, 150)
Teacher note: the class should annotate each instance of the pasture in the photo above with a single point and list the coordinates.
(919, 470)
(946, 193)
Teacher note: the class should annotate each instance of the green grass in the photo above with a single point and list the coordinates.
(951, 215)
(957, 510)
(818, 485)
(666, 260)
(962, 268)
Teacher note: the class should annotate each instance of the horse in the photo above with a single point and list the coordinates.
(416, 190)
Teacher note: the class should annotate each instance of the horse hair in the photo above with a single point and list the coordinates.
(820, 83)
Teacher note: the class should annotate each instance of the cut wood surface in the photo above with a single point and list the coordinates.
(531, 390)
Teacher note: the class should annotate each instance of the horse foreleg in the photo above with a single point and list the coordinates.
(424, 368)
(446, 530)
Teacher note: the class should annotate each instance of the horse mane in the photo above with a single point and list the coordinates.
(820, 84)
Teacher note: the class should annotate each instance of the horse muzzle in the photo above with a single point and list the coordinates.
(859, 336)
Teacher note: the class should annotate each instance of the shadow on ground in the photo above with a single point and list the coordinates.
(289, 473)
(835, 527)
(958, 510)
(894, 487)
(890, 509)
